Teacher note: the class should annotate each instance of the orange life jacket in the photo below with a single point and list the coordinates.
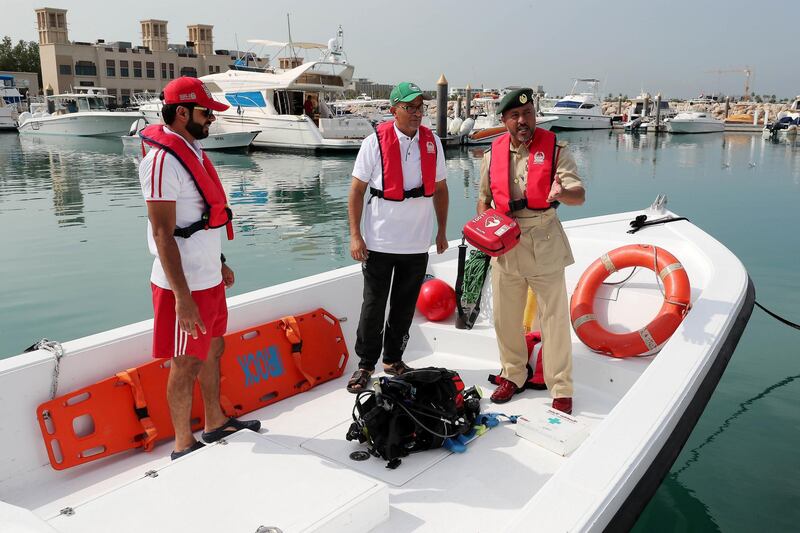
(392, 166)
(542, 160)
(217, 212)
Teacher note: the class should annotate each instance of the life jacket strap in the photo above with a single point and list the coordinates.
(191, 229)
(416, 192)
(131, 378)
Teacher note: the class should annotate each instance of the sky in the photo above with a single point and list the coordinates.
(670, 47)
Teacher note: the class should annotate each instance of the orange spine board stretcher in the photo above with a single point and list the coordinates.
(647, 340)
(260, 366)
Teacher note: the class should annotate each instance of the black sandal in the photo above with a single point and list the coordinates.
(229, 428)
(359, 381)
(397, 369)
(193, 448)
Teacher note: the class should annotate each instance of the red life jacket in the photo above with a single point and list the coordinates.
(542, 160)
(217, 212)
(392, 166)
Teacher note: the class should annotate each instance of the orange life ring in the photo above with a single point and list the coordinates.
(677, 298)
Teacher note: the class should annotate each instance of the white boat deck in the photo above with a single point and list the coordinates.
(501, 482)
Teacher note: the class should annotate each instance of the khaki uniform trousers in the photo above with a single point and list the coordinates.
(538, 262)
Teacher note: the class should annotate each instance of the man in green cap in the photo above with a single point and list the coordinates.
(526, 175)
(402, 165)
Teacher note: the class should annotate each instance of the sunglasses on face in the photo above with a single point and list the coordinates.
(208, 113)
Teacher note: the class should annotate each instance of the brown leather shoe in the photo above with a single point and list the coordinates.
(563, 404)
(505, 391)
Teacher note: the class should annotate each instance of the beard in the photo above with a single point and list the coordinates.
(196, 129)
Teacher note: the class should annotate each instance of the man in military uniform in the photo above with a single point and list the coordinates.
(527, 174)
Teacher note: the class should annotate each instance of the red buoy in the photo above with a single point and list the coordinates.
(436, 300)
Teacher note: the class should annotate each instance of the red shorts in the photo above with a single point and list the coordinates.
(170, 341)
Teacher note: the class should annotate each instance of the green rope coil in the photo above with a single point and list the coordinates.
(473, 276)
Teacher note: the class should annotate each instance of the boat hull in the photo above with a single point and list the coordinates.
(81, 124)
(577, 121)
(298, 132)
(215, 141)
(690, 126)
(639, 411)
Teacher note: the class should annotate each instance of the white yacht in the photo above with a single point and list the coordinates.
(632, 416)
(272, 100)
(83, 113)
(694, 122)
(10, 100)
(580, 110)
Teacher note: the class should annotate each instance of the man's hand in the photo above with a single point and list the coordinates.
(441, 242)
(227, 276)
(189, 316)
(358, 248)
(555, 190)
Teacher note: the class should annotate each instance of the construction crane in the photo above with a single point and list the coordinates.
(747, 71)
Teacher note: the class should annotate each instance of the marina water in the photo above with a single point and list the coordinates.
(75, 262)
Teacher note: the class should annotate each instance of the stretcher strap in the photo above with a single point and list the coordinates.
(131, 378)
(292, 331)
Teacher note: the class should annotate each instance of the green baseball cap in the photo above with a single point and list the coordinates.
(404, 92)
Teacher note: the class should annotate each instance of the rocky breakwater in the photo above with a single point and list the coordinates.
(716, 109)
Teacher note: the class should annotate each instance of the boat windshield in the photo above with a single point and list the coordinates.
(568, 103)
(91, 104)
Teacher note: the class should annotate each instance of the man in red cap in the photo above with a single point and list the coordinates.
(186, 209)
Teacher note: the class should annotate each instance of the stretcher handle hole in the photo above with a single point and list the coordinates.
(250, 335)
(48, 422)
(78, 398)
(342, 360)
(97, 450)
(55, 447)
(267, 397)
(83, 425)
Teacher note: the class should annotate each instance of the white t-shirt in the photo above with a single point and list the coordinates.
(397, 227)
(164, 179)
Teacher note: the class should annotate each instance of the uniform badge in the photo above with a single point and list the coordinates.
(523, 99)
(430, 147)
(538, 158)
(189, 96)
(492, 221)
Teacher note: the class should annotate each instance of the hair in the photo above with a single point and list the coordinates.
(169, 111)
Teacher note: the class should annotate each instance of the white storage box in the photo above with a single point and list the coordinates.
(551, 429)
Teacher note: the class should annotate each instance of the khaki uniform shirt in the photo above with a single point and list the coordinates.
(544, 246)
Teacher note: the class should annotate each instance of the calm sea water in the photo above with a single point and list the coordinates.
(75, 262)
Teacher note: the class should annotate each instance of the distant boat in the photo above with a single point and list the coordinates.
(219, 140)
(488, 135)
(580, 110)
(82, 113)
(272, 100)
(10, 100)
(694, 122)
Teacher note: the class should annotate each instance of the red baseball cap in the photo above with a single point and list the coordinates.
(186, 90)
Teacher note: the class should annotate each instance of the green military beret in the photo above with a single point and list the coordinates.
(515, 98)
